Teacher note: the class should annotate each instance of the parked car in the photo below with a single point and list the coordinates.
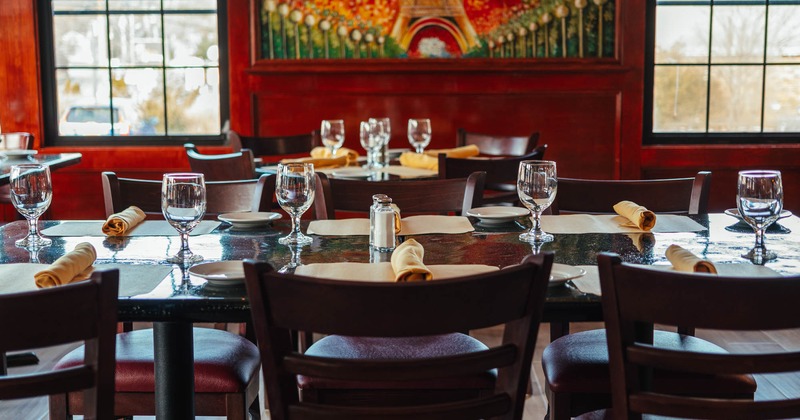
(94, 120)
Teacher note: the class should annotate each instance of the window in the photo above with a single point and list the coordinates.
(723, 71)
(133, 71)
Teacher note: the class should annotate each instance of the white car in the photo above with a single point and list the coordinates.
(94, 120)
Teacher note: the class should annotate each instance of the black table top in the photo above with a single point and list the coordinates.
(54, 161)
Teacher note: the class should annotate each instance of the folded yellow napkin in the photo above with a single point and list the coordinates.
(407, 262)
(73, 266)
(641, 217)
(119, 223)
(320, 162)
(398, 223)
(323, 152)
(684, 260)
(469, 150)
(419, 160)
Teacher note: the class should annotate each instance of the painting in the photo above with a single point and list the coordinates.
(419, 29)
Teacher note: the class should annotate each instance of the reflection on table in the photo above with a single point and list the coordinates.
(54, 161)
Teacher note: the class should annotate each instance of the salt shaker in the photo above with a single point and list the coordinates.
(381, 224)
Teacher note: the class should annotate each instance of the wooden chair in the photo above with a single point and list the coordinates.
(501, 173)
(677, 195)
(226, 167)
(633, 300)
(222, 196)
(429, 196)
(491, 144)
(390, 324)
(84, 311)
(274, 147)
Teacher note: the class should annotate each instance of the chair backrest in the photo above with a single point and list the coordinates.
(513, 297)
(500, 172)
(273, 145)
(635, 298)
(428, 196)
(491, 144)
(675, 195)
(226, 167)
(84, 311)
(221, 196)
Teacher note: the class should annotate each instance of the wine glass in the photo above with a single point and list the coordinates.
(536, 186)
(371, 136)
(419, 133)
(760, 202)
(183, 202)
(294, 189)
(332, 134)
(31, 194)
(383, 152)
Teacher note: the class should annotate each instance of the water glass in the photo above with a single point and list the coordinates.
(537, 185)
(332, 134)
(295, 187)
(760, 202)
(183, 202)
(419, 133)
(31, 194)
(383, 152)
(371, 135)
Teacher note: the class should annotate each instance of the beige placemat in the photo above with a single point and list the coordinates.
(133, 279)
(412, 225)
(382, 272)
(406, 172)
(146, 228)
(609, 223)
(590, 282)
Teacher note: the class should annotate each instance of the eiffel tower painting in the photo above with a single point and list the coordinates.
(426, 28)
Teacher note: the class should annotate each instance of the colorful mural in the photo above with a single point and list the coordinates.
(499, 29)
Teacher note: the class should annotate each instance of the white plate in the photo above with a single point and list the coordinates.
(19, 152)
(351, 173)
(735, 213)
(222, 273)
(498, 214)
(249, 220)
(560, 273)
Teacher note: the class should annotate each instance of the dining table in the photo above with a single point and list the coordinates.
(174, 298)
(52, 160)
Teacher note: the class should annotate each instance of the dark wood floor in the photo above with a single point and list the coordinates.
(769, 387)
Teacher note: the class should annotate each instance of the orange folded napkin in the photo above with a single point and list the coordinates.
(75, 265)
(419, 160)
(119, 223)
(323, 152)
(407, 262)
(320, 162)
(684, 260)
(398, 223)
(641, 217)
(469, 150)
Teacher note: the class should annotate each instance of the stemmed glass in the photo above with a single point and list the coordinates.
(294, 188)
(419, 133)
(332, 134)
(760, 202)
(31, 194)
(386, 136)
(371, 134)
(183, 202)
(536, 186)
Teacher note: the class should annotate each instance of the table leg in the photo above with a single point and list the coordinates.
(174, 370)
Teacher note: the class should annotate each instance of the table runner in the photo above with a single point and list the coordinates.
(382, 272)
(146, 228)
(611, 223)
(412, 225)
(133, 279)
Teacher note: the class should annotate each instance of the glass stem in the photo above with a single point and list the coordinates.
(185, 252)
(33, 227)
(296, 225)
(759, 239)
(420, 149)
(537, 223)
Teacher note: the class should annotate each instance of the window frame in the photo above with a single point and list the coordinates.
(49, 92)
(650, 138)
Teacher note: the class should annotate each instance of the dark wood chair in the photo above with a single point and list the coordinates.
(273, 148)
(429, 196)
(676, 195)
(222, 196)
(501, 174)
(225, 167)
(633, 300)
(492, 144)
(394, 349)
(80, 312)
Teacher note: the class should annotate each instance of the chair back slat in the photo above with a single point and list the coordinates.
(425, 196)
(634, 298)
(492, 144)
(225, 167)
(676, 195)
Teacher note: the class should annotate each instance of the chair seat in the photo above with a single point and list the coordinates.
(223, 362)
(380, 348)
(578, 363)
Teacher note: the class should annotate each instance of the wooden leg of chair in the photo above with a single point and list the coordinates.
(557, 406)
(235, 407)
(58, 407)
